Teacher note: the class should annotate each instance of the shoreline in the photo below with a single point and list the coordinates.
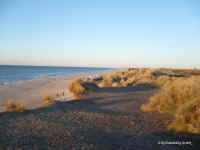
(31, 92)
(54, 76)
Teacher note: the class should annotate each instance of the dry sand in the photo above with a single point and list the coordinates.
(31, 92)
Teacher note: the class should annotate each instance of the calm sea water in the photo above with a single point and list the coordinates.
(9, 74)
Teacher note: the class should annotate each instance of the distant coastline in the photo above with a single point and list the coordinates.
(55, 66)
(20, 73)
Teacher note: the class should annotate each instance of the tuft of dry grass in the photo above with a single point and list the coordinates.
(116, 84)
(123, 83)
(77, 88)
(81, 87)
(187, 117)
(47, 100)
(107, 81)
(180, 98)
(164, 80)
(173, 95)
(20, 108)
(11, 107)
(187, 72)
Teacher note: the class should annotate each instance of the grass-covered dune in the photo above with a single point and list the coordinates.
(179, 93)
(181, 98)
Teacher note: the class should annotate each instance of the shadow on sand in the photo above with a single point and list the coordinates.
(112, 104)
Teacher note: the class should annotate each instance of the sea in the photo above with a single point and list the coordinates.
(14, 73)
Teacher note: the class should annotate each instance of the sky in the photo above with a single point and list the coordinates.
(100, 33)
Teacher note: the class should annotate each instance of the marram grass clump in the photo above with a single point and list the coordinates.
(110, 80)
(187, 117)
(47, 99)
(171, 97)
(180, 98)
(82, 87)
(13, 107)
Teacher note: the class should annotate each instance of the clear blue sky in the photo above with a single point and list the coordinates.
(107, 33)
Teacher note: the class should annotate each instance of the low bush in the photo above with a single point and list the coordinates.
(111, 80)
(164, 80)
(180, 98)
(47, 100)
(107, 80)
(11, 107)
(187, 117)
(80, 87)
(116, 84)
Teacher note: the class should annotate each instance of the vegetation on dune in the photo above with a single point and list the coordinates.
(47, 100)
(81, 87)
(187, 72)
(107, 81)
(131, 77)
(110, 81)
(180, 98)
(135, 77)
(162, 81)
(187, 117)
(171, 96)
(13, 107)
(179, 93)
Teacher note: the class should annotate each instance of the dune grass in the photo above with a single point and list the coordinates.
(13, 107)
(135, 77)
(47, 100)
(180, 98)
(169, 99)
(179, 93)
(81, 87)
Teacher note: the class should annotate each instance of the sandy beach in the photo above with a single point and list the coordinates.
(31, 92)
